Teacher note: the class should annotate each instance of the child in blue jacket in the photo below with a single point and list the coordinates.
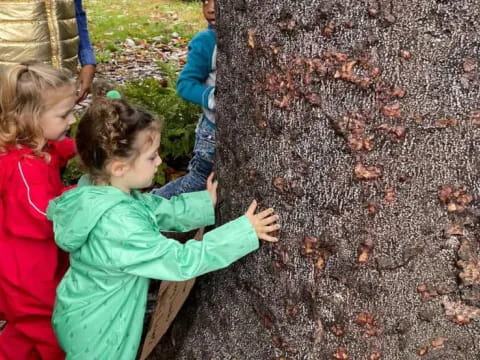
(197, 85)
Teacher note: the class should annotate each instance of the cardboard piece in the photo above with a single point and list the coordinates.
(170, 299)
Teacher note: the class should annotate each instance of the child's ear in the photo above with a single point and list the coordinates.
(118, 168)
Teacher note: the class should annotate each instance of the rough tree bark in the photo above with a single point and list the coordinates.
(359, 123)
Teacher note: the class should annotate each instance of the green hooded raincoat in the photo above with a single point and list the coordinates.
(115, 247)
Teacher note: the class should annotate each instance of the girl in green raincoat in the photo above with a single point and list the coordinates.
(112, 232)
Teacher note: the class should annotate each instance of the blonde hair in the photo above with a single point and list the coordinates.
(23, 92)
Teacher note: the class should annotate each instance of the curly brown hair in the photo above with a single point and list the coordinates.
(109, 130)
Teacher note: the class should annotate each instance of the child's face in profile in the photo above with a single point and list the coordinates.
(208, 7)
(58, 115)
(144, 167)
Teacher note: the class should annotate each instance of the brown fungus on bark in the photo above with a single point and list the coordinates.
(340, 354)
(367, 173)
(281, 185)
(426, 292)
(369, 323)
(405, 54)
(397, 132)
(446, 122)
(371, 208)
(352, 128)
(329, 29)
(376, 355)
(438, 343)
(310, 245)
(398, 92)
(456, 199)
(422, 351)
(267, 321)
(291, 310)
(313, 98)
(365, 250)
(392, 110)
(373, 9)
(469, 65)
(470, 274)
(390, 196)
(459, 313)
(474, 117)
(337, 330)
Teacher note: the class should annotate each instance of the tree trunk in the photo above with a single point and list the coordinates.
(359, 123)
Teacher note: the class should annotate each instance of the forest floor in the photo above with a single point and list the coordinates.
(130, 37)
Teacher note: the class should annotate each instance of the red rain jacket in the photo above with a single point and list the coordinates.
(31, 265)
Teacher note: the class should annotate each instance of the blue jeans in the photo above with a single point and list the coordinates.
(199, 167)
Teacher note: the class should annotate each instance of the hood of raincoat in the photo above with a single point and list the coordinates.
(76, 212)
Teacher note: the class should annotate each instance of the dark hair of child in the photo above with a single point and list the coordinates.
(108, 131)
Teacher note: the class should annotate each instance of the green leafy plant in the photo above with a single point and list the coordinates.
(179, 118)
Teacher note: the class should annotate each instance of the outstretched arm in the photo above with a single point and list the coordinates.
(143, 252)
(182, 213)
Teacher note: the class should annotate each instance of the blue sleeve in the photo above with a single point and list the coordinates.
(86, 54)
(190, 85)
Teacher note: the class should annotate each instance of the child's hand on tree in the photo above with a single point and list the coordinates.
(263, 222)
(212, 188)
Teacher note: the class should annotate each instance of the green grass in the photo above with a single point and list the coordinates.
(112, 21)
